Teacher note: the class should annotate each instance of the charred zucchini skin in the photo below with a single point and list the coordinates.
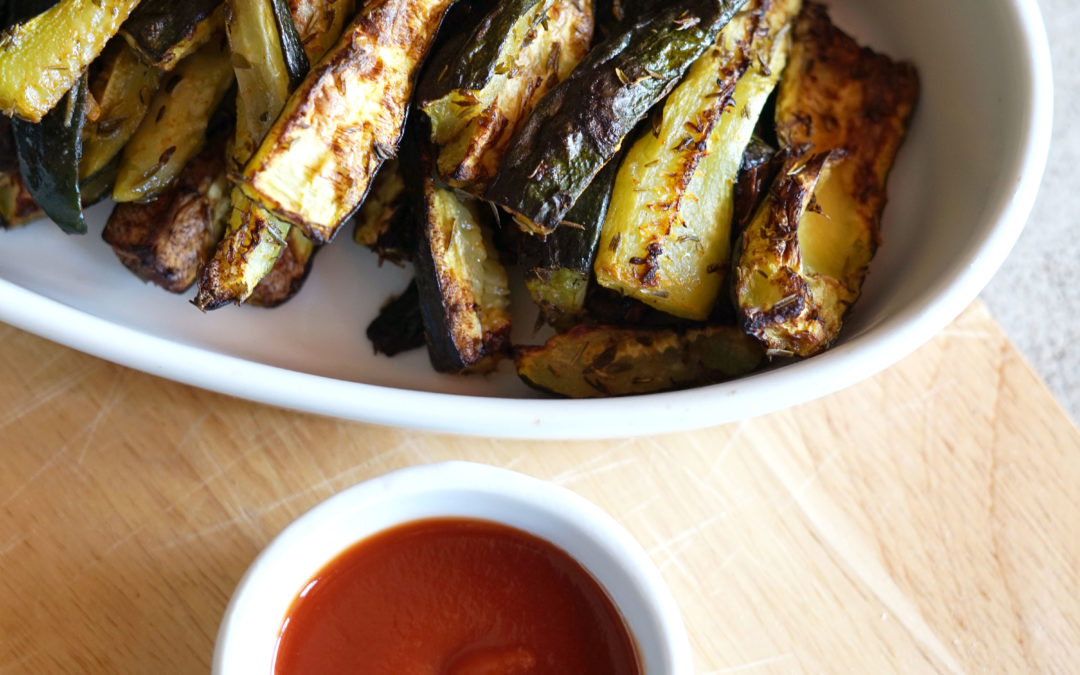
(595, 361)
(558, 269)
(165, 240)
(315, 165)
(48, 47)
(165, 31)
(464, 293)
(399, 327)
(49, 155)
(581, 124)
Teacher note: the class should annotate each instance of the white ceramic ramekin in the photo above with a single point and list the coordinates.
(249, 630)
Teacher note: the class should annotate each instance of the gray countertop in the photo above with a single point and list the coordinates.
(1036, 295)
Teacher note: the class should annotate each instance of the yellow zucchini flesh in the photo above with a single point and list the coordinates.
(473, 128)
(42, 58)
(806, 253)
(174, 128)
(122, 90)
(319, 23)
(315, 166)
(667, 235)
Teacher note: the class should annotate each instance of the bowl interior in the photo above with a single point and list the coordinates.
(247, 638)
(957, 202)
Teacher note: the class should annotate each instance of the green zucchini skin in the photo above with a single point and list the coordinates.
(156, 27)
(558, 269)
(581, 124)
(49, 155)
(292, 48)
(473, 66)
(399, 327)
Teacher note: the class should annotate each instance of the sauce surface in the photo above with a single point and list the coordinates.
(454, 597)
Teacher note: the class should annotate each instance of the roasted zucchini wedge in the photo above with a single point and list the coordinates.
(594, 361)
(257, 243)
(122, 85)
(269, 61)
(399, 327)
(174, 128)
(288, 274)
(667, 237)
(49, 155)
(464, 291)
(164, 32)
(165, 240)
(580, 125)
(806, 252)
(44, 55)
(316, 164)
(558, 268)
(487, 88)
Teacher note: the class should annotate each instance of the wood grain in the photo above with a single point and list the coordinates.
(926, 520)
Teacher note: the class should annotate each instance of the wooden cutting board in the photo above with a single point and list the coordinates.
(925, 520)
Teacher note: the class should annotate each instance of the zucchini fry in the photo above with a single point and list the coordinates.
(594, 361)
(288, 273)
(805, 255)
(165, 240)
(49, 155)
(164, 32)
(759, 167)
(487, 88)
(667, 236)
(44, 55)
(174, 128)
(255, 239)
(123, 88)
(580, 125)
(316, 164)
(464, 291)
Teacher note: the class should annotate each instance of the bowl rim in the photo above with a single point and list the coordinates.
(538, 497)
(540, 418)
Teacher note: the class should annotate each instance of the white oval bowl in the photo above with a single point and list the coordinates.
(961, 191)
(247, 637)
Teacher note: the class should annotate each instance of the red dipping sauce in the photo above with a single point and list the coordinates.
(454, 597)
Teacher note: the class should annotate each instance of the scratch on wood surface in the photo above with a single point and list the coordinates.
(190, 537)
(596, 465)
(112, 399)
(751, 665)
(838, 535)
(42, 396)
(10, 545)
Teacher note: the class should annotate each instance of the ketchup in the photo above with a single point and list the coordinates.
(454, 597)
